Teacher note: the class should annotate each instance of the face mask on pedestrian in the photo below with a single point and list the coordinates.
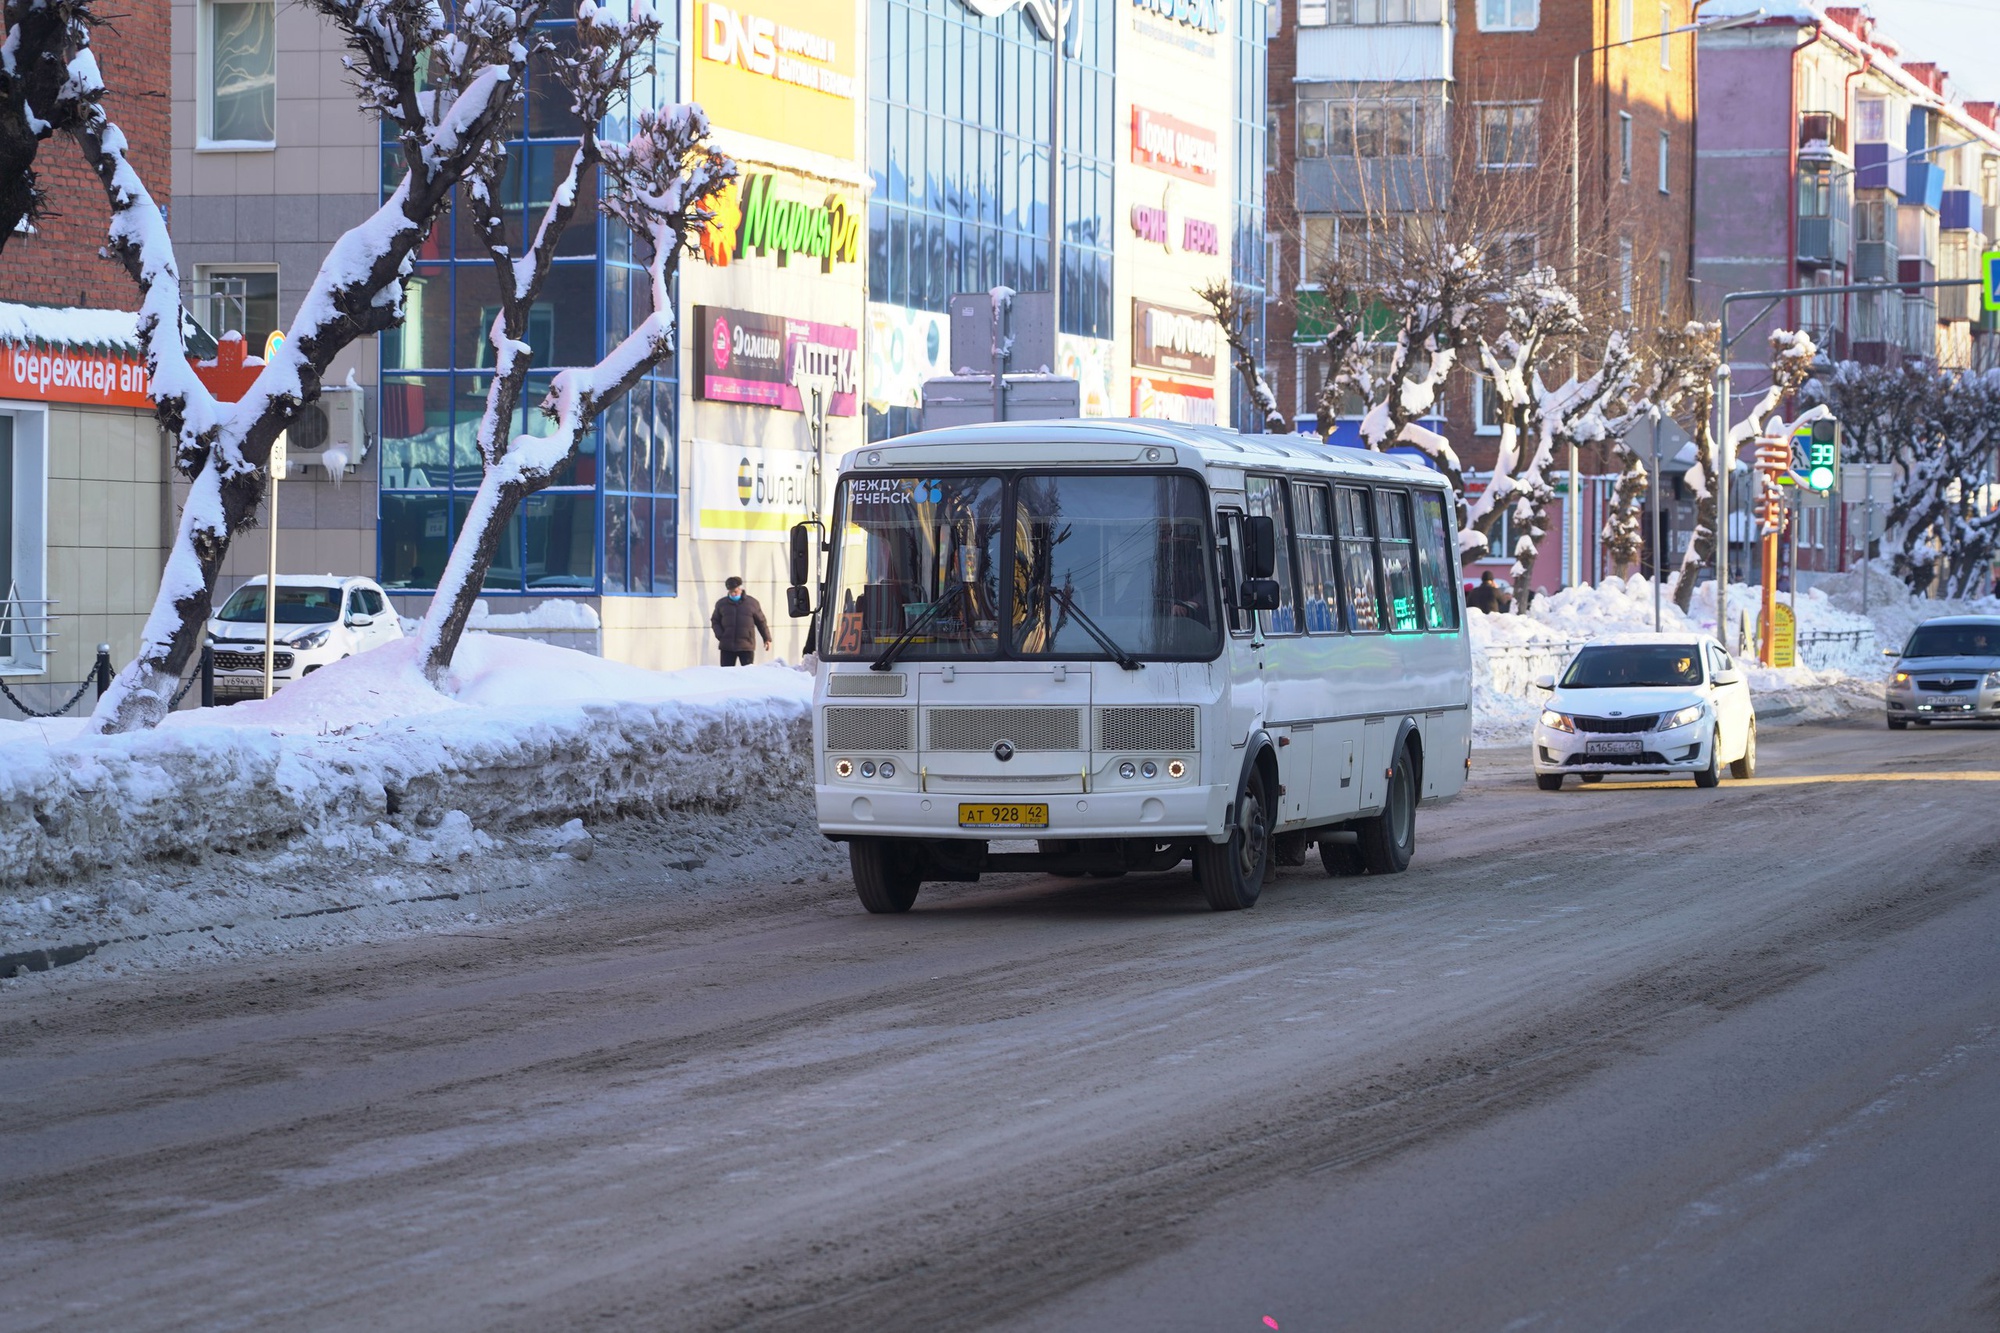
(736, 596)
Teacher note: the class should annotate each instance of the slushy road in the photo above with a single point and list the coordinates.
(1631, 1056)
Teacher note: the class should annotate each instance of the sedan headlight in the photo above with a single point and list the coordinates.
(313, 638)
(1555, 721)
(1903, 678)
(1993, 680)
(1692, 713)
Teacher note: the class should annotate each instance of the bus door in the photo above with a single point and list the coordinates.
(1291, 677)
(1243, 655)
(1336, 741)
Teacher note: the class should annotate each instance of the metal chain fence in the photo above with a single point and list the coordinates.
(16, 700)
(100, 677)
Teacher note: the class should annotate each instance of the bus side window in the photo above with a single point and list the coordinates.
(1228, 541)
(1319, 585)
(1357, 558)
(1399, 564)
(1267, 497)
(1435, 564)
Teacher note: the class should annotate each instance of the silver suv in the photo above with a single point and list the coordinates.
(1949, 671)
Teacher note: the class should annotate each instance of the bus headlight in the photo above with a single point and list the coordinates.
(867, 768)
(1128, 769)
(888, 769)
(1149, 769)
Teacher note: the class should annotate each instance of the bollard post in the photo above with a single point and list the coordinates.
(207, 675)
(103, 668)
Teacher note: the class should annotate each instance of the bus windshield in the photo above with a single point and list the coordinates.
(918, 553)
(1111, 565)
(1103, 566)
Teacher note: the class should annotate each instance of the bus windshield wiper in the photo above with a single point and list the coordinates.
(1104, 641)
(950, 593)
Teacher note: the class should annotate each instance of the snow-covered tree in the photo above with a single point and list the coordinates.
(1792, 356)
(41, 38)
(1229, 306)
(1675, 364)
(655, 184)
(1540, 311)
(447, 89)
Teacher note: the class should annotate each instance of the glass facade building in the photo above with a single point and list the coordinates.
(611, 524)
(959, 110)
(1247, 254)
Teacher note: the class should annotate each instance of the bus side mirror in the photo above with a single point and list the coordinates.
(1260, 594)
(801, 569)
(798, 602)
(1260, 547)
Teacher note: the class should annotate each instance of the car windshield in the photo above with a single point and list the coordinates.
(1111, 565)
(1954, 641)
(296, 606)
(1623, 665)
(917, 552)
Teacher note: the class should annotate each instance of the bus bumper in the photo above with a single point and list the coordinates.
(1180, 812)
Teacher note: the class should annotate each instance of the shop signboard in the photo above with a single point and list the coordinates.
(747, 357)
(1177, 147)
(53, 373)
(1087, 361)
(1181, 342)
(1167, 400)
(749, 493)
(756, 214)
(1165, 224)
(782, 70)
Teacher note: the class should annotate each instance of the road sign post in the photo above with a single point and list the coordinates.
(1774, 459)
(279, 463)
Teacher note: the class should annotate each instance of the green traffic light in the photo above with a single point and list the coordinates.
(1821, 478)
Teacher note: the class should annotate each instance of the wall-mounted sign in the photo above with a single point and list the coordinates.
(1201, 15)
(53, 374)
(748, 493)
(1166, 400)
(779, 69)
(1184, 342)
(754, 214)
(905, 348)
(757, 359)
(1166, 226)
(1174, 146)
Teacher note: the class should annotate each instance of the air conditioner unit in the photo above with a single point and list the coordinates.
(332, 423)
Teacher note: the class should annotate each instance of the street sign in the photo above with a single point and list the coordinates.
(1784, 636)
(1868, 483)
(280, 458)
(273, 343)
(1989, 270)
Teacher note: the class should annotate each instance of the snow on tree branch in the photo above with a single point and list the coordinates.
(1228, 304)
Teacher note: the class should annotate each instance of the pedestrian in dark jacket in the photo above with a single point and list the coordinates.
(1485, 597)
(738, 623)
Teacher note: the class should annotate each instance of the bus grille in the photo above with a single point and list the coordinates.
(1146, 729)
(867, 685)
(983, 728)
(868, 729)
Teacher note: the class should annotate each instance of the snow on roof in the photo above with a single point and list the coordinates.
(69, 326)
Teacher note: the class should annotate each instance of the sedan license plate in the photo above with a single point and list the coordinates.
(1612, 747)
(1003, 816)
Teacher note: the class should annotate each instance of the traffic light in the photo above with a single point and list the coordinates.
(1823, 456)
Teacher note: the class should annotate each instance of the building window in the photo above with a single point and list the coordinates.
(1625, 145)
(238, 74)
(1507, 135)
(1624, 273)
(1247, 270)
(1517, 254)
(23, 543)
(1312, 129)
(1624, 20)
(1486, 407)
(1509, 15)
(1666, 283)
(1665, 187)
(1313, 13)
(1871, 120)
(1273, 127)
(1666, 42)
(1348, 128)
(239, 297)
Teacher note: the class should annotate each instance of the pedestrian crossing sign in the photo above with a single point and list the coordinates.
(1989, 270)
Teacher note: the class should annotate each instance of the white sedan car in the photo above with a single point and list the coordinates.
(320, 619)
(1654, 705)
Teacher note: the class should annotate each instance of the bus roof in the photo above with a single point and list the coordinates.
(1123, 440)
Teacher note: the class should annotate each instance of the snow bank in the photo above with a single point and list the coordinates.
(1836, 678)
(523, 734)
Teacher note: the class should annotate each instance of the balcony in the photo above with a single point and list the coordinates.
(1875, 261)
(1957, 305)
(1822, 242)
(1959, 210)
(1925, 185)
(1920, 329)
(1822, 132)
(1873, 169)
(1375, 53)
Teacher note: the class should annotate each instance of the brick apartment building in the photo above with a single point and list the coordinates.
(1412, 104)
(85, 507)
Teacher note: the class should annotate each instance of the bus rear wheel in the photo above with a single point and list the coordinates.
(1389, 839)
(1232, 873)
(887, 873)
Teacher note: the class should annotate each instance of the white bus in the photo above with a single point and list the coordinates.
(1130, 644)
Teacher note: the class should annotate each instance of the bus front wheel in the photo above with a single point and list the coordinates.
(887, 873)
(1232, 873)
(1389, 839)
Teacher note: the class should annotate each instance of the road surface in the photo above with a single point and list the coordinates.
(1631, 1056)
